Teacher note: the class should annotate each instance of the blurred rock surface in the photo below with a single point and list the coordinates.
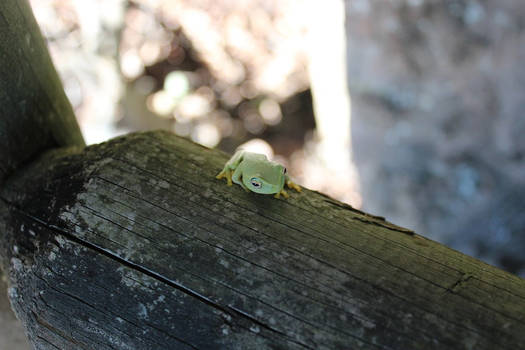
(438, 99)
(12, 335)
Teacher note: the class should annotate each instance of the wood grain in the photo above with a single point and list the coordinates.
(133, 244)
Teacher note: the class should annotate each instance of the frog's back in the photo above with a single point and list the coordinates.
(254, 157)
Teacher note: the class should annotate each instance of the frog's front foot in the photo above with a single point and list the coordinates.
(283, 192)
(225, 173)
(293, 185)
(290, 184)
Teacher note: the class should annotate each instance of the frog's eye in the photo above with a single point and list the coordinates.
(255, 183)
(284, 170)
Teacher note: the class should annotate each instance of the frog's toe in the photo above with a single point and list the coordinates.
(283, 192)
(293, 185)
(225, 174)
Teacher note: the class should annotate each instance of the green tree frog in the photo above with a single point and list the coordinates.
(254, 172)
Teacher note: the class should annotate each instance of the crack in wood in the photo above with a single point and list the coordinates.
(54, 330)
(65, 316)
(348, 207)
(460, 283)
(385, 224)
(44, 340)
(227, 310)
(102, 311)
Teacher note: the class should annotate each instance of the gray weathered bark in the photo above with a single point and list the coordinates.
(133, 244)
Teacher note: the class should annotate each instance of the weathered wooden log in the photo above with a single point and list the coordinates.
(34, 111)
(133, 244)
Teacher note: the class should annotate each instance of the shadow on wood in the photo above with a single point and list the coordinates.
(133, 244)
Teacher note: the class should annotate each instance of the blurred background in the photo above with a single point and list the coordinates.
(408, 109)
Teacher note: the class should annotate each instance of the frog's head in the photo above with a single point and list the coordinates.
(267, 180)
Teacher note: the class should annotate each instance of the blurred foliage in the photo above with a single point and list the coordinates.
(209, 70)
